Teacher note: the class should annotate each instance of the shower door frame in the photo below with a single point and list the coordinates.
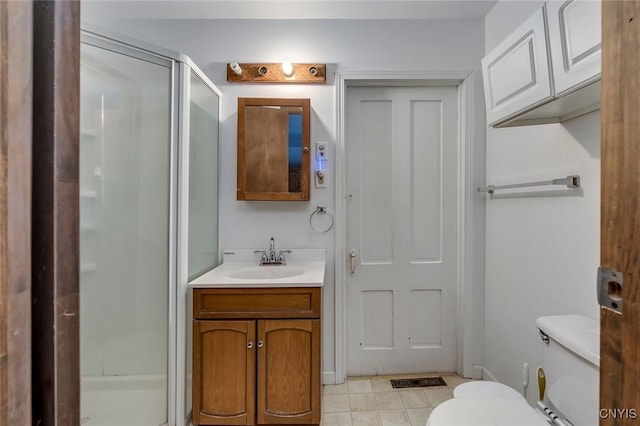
(180, 67)
(123, 48)
(184, 69)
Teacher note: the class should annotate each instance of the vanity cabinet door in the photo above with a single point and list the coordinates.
(574, 39)
(289, 371)
(224, 360)
(516, 72)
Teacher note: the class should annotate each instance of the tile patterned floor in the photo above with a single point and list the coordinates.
(374, 402)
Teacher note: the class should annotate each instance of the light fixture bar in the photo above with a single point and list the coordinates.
(273, 73)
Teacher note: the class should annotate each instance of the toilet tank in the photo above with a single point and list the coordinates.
(571, 361)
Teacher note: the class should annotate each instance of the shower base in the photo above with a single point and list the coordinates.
(123, 401)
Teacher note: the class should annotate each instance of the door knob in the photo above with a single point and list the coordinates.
(249, 345)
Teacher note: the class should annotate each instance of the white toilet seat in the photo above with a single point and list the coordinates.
(484, 412)
(486, 389)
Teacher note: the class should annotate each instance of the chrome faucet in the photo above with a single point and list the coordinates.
(268, 257)
(272, 251)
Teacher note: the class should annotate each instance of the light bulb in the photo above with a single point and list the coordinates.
(235, 67)
(287, 69)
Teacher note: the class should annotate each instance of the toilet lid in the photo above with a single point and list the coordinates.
(484, 412)
(487, 389)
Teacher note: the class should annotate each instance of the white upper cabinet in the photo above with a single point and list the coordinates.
(574, 41)
(548, 69)
(516, 71)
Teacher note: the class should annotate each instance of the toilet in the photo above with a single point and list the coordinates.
(486, 390)
(571, 361)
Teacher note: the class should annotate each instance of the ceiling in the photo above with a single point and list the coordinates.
(98, 10)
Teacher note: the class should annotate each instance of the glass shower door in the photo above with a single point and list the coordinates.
(125, 177)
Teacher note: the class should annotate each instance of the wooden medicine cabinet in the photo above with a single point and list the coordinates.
(273, 149)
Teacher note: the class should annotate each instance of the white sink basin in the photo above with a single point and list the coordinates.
(272, 272)
(239, 269)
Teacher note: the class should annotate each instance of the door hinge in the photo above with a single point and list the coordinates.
(610, 289)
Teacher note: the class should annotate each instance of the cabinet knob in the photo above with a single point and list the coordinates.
(250, 345)
(260, 343)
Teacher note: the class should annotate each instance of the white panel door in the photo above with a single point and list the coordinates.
(516, 72)
(574, 38)
(402, 227)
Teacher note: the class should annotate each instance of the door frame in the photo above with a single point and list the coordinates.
(16, 130)
(619, 332)
(471, 142)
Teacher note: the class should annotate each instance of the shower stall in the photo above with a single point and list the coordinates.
(148, 223)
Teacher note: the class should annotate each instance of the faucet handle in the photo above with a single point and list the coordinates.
(281, 255)
(263, 258)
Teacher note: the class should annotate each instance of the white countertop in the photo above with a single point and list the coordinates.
(306, 266)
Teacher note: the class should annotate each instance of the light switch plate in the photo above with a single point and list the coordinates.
(322, 154)
(321, 179)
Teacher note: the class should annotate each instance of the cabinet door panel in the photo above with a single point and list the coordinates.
(516, 72)
(224, 372)
(574, 38)
(289, 371)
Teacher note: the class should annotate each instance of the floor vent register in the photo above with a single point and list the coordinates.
(421, 382)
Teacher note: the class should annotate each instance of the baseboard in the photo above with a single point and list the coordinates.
(486, 375)
(328, 377)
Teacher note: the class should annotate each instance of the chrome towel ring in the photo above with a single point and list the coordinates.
(320, 209)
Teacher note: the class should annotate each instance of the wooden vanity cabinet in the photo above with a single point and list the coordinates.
(256, 356)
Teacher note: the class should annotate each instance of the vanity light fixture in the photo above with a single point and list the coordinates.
(284, 72)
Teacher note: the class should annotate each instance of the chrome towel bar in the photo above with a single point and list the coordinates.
(571, 181)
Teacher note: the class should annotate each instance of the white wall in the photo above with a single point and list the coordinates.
(343, 44)
(541, 253)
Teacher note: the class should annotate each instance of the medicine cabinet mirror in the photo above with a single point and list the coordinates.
(273, 149)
